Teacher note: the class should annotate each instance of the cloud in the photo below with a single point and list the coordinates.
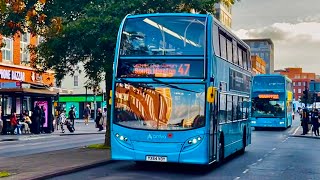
(296, 44)
(303, 31)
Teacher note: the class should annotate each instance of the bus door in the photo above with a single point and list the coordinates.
(213, 140)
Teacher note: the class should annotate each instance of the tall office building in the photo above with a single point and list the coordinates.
(264, 48)
(223, 13)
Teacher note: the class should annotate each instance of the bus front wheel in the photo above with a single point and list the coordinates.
(221, 149)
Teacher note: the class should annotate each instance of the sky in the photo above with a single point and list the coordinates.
(293, 26)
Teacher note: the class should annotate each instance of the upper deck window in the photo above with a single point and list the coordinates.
(268, 83)
(163, 35)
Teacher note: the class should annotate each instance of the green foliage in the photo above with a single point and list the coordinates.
(4, 174)
(97, 146)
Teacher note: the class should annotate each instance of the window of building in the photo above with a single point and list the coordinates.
(299, 83)
(7, 50)
(294, 83)
(24, 51)
(40, 39)
(76, 81)
(299, 90)
(294, 90)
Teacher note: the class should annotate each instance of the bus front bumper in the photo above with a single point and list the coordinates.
(160, 152)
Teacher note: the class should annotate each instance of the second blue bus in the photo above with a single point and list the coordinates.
(271, 101)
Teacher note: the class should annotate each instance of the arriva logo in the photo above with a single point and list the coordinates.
(150, 137)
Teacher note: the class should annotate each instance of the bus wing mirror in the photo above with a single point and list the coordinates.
(211, 94)
(110, 97)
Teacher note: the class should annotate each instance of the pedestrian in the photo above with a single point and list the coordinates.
(62, 119)
(86, 114)
(315, 121)
(13, 122)
(42, 119)
(36, 118)
(305, 121)
(72, 115)
(104, 117)
(1, 126)
(99, 120)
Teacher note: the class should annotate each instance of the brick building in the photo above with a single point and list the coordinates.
(301, 80)
(258, 65)
(21, 87)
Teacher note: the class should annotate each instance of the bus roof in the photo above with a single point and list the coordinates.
(166, 14)
(273, 75)
(192, 15)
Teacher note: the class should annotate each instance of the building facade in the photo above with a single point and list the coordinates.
(21, 87)
(223, 12)
(264, 48)
(301, 80)
(81, 95)
(258, 65)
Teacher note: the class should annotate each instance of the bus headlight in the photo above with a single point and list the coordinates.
(192, 143)
(123, 140)
(281, 122)
(253, 122)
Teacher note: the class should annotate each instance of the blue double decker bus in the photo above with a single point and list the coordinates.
(181, 83)
(272, 99)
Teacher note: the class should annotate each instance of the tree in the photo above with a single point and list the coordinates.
(86, 32)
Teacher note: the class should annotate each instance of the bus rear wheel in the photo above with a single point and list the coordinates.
(221, 150)
(244, 141)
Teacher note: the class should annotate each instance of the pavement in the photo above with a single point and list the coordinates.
(55, 163)
(80, 129)
(298, 133)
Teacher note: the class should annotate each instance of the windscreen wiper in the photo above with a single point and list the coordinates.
(173, 86)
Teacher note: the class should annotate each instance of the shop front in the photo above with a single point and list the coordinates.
(79, 102)
(21, 88)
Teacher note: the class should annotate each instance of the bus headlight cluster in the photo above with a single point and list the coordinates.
(195, 140)
(253, 122)
(121, 138)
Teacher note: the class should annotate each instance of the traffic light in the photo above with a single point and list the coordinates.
(306, 92)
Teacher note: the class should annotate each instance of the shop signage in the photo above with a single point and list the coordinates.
(12, 75)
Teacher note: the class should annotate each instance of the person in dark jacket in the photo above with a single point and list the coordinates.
(99, 120)
(72, 115)
(315, 121)
(305, 121)
(36, 119)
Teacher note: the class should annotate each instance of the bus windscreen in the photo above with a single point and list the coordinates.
(160, 107)
(163, 35)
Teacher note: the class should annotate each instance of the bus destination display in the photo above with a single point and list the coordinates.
(162, 70)
(269, 96)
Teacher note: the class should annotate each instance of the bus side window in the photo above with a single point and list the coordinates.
(229, 108)
(240, 113)
(235, 107)
(245, 107)
(222, 108)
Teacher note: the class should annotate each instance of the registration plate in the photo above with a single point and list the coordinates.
(157, 158)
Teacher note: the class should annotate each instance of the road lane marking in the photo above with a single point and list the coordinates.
(265, 155)
(295, 131)
(236, 178)
(245, 171)
(253, 164)
(284, 140)
(274, 149)
(259, 160)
